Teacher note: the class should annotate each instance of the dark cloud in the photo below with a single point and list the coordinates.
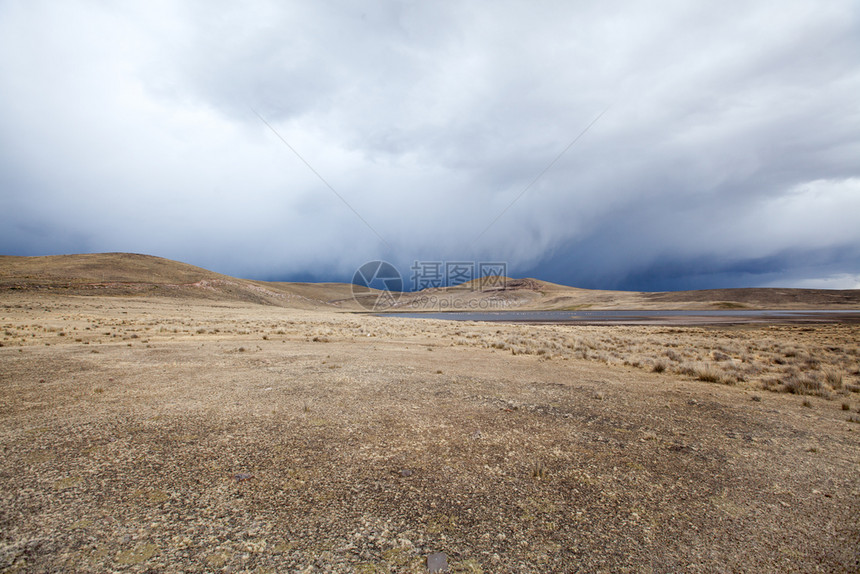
(729, 143)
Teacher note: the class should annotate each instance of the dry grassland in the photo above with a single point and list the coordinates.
(164, 435)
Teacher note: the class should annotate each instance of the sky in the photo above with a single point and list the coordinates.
(622, 144)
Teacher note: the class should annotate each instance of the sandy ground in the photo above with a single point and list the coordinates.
(158, 435)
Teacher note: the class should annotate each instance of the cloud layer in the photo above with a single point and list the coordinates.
(728, 153)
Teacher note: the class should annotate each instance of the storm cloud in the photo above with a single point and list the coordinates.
(287, 140)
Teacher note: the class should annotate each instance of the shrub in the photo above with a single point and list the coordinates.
(711, 375)
(803, 385)
(769, 384)
(672, 355)
(687, 369)
(833, 378)
(707, 373)
(539, 470)
(719, 356)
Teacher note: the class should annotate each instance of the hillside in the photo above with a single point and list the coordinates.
(534, 294)
(129, 274)
(97, 268)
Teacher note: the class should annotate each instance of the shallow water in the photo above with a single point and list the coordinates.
(625, 316)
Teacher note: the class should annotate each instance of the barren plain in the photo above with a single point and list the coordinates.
(148, 430)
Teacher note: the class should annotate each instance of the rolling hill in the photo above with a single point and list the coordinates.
(131, 274)
(127, 274)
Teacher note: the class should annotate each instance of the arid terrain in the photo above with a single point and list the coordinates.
(143, 275)
(156, 417)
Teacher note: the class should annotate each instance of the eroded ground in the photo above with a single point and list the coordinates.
(160, 435)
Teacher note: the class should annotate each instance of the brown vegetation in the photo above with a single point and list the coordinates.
(156, 433)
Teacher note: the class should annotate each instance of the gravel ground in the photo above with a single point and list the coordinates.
(167, 436)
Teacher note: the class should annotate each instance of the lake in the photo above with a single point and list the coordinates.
(652, 316)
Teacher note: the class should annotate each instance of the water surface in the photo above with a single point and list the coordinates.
(642, 316)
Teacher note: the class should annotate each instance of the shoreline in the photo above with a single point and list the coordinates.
(644, 317)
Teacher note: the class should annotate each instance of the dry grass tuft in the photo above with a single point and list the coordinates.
(539, 471)
(804, 385)
(833, 378)
(719, 356)
(708, 373)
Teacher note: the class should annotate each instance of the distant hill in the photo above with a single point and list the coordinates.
(91, 268)
(131, 274)
(534, 294)
(128, 274)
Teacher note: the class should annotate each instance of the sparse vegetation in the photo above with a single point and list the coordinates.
(540, 448)
(710, 374)
(833, 378)
(803, 385)
(539, 470)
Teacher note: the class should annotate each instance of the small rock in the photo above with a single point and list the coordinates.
(239, 477)
(437, 562)
(406, 472)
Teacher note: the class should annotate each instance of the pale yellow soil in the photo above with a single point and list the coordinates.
(179, 435)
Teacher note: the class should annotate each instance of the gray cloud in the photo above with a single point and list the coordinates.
(730, 140)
